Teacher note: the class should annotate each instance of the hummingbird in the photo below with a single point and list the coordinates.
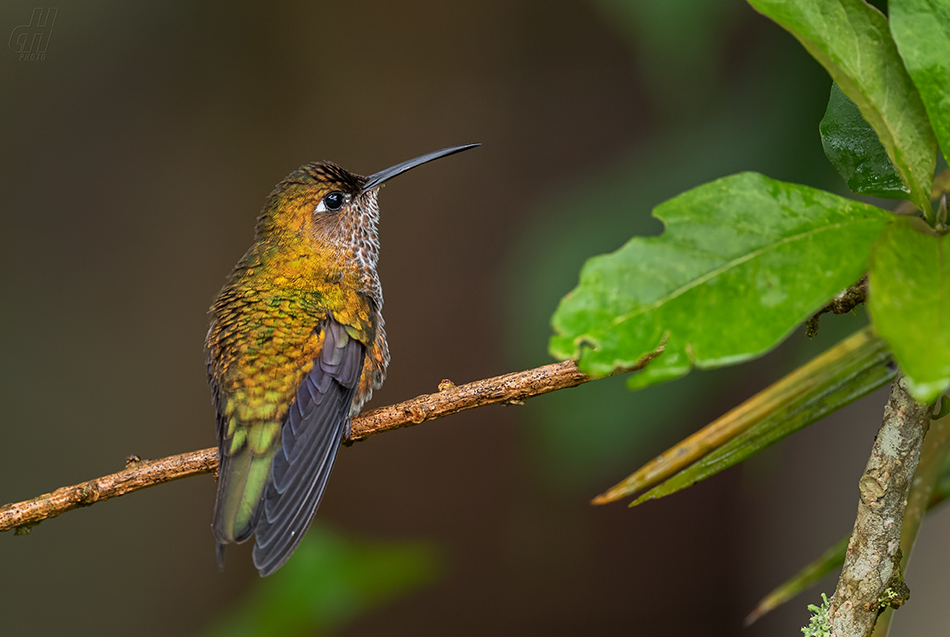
(295, 348)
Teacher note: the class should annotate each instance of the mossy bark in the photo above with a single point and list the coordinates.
(872, 564)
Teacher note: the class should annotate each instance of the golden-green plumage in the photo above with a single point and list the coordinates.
(296, 346)
(266, 333)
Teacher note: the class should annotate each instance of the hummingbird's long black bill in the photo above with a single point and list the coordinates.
(376, 179)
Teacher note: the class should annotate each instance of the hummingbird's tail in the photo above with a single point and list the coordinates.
(241, 481)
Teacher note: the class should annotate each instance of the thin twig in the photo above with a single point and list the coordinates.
(137, 475)
(871, 578)
(842, 303)
(510, 389)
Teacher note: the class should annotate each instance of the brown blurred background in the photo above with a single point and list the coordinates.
(137, 155)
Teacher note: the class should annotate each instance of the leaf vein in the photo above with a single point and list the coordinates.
(717, 271)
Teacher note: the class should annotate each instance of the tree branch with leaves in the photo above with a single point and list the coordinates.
(746, 259)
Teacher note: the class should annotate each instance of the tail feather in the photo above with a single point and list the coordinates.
(219, 554)
(279, 536)
(241, 481)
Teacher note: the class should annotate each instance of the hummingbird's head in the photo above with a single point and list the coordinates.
(331, 210)
(321, 206)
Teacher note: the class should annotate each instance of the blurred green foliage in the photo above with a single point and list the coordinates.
(331, 580)
(676, 43)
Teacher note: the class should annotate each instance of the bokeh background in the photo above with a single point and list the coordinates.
(135, 159)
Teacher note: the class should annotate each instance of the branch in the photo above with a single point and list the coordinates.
(871, 578)
(924, 495)
(842, 303)
(510, 389)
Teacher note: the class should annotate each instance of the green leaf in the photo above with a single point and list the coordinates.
(921, 29)
(330, 580)
(853, 148)
(909, 303)
(944, 410)
(744, 259)
(852, 369)
(852, 41)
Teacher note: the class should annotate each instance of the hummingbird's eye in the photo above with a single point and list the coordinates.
(332, 201)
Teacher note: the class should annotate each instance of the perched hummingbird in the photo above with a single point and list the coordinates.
(295, 348)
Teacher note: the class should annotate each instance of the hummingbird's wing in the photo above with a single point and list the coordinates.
(310, 437)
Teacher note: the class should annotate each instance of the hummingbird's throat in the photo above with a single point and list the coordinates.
(363, 230)
(356, 237)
